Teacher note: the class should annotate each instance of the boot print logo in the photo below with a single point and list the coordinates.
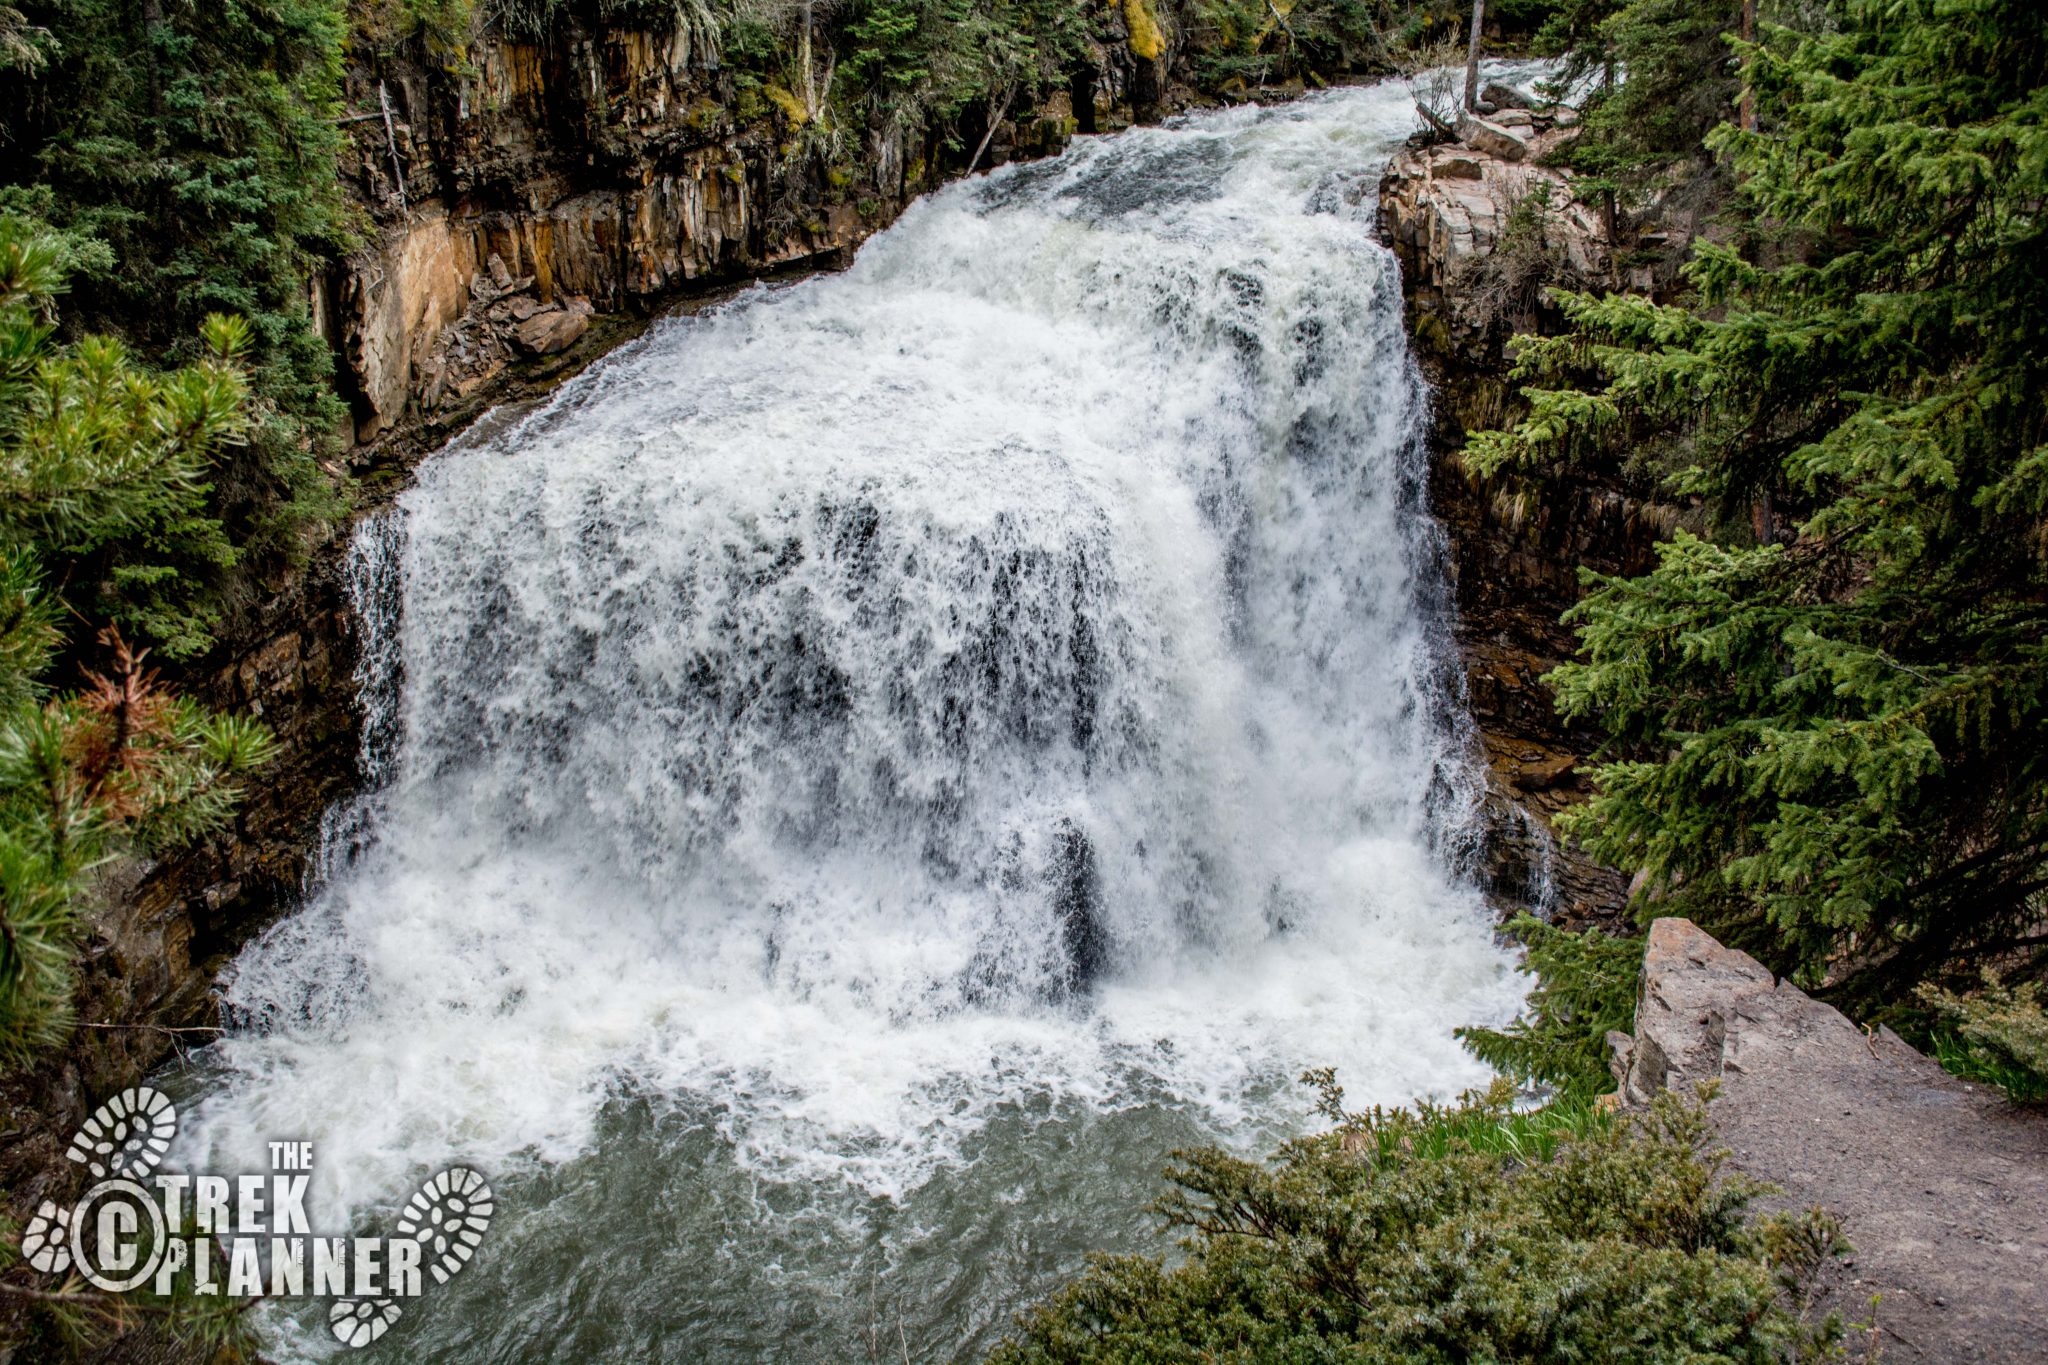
(243, 1236)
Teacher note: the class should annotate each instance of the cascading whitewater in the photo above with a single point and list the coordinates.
(898, 713)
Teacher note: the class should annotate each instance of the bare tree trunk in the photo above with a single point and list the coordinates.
(152, 20)
(391, 142)
(1747, 116)
(1472, 55)
(993, 124)
(804, 55)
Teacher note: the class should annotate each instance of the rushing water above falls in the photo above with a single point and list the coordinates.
(867, 770)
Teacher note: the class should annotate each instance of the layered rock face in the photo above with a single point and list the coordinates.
(1480, 226)
(597, 171)
(1940, 1185)
(1446, 209)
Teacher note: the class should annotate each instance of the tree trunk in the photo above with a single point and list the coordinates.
(152, 20)
(1763, 518)
(804, 55)
(1472, 55)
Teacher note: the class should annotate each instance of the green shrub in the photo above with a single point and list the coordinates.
(1585, 989)
(1998, 1035)
(1407, 1236)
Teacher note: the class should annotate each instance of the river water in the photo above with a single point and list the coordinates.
(866, 771)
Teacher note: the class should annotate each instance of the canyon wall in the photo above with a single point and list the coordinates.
(1480, 228)
(600, 172)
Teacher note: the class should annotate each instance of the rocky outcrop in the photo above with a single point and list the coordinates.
(1941, 1187)
(1446, 209)
(1479, 227)
(1503, 140)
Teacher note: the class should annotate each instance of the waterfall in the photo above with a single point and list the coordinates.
(892, 727)
(370, 576)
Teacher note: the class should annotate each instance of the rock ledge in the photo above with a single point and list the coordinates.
(1940, 1185)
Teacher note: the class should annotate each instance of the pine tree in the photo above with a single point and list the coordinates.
(93, 451)
(1828, 712)
(1642, 135)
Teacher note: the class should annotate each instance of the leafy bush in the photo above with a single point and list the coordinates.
(445, 26)
(1248, 43)
(1408, 1237)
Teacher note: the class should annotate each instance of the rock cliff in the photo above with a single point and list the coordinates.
(596, 171)
(1481, 226)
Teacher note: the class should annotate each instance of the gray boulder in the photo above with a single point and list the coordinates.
(1481, 135)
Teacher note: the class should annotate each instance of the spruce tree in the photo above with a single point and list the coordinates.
(1828, 709)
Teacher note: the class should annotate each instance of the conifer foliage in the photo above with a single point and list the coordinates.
(1585, 989)
(1407, 1237)
(92, 450)
(183, 157)
(1828, 713)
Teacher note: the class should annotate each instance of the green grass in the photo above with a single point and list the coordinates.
(1959, 1057)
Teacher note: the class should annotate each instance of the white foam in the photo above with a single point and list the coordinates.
(755, 694)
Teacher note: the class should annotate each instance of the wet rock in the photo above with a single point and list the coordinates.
(1514, 562)
(1077, 897)
(1502, 96)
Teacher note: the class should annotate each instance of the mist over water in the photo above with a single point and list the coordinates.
(867, 770)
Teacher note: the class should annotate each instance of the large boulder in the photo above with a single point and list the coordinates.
(553, 329)
(1502, 96)
(1494, 139)
(1941, 1186)
(1691, 987)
